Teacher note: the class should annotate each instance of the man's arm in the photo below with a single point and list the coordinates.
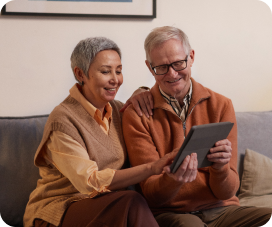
(224, 178)
(141, 149)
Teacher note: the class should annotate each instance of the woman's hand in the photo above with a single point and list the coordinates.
(142, 101)
(126, 177)
(158, 166)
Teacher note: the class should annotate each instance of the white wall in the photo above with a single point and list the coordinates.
(231, 38)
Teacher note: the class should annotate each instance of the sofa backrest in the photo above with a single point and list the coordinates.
(19, 139)
(255, 133)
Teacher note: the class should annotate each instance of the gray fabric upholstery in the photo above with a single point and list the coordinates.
(19, 139)
(255, 133)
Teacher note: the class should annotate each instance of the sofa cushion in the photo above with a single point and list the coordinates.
(19, 139)
(256, 187)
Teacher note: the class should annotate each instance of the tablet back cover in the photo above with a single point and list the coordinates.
(199, 140)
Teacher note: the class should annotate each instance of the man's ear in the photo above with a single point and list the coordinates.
(192, 58)
(79, 74)
(149, 67)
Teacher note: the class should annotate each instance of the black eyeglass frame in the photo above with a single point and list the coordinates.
(186, 59)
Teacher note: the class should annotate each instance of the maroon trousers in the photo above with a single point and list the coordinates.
(115, 209)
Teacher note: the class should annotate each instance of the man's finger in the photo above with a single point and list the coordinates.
(147, 102)
(223, 142)
(222, 161)
(128, 102)
(137, 108)
(142, 105)
(183, 167)
(167, 170)
(190, 170)
(223, 148)
(195, 169)
(219, 155)
(150, 99)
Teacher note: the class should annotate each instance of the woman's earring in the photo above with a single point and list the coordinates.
(82, 83)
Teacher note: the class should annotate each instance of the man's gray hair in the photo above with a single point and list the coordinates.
(86, 50)
(160, 35)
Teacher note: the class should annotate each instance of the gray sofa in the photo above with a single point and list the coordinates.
(20, 137)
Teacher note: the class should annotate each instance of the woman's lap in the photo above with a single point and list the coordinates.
(121, 208)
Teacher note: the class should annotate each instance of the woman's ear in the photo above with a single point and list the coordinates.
(79, 74)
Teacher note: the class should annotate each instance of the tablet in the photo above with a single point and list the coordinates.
(200, 139)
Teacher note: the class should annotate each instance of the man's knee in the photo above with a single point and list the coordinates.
(263, 214)
(245, 215)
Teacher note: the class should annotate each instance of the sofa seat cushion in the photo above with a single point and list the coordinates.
(256, 186)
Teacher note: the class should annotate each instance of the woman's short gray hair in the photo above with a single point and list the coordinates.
(162, 34)
(86, 50)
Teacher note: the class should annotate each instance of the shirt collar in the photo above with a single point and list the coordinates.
(170, 99)
(76, 93)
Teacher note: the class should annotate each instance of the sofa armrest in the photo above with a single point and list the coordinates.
(19, 139)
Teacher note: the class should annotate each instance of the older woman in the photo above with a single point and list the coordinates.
(82, 155)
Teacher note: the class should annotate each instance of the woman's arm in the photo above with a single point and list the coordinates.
(126, 177)
(142, 102)
(72, 160)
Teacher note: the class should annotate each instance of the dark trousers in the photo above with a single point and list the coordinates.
(115, 209)
(231, 216)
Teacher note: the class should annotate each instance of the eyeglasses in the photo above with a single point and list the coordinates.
(177, 66)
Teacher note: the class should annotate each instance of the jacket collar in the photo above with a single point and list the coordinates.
(199, 92)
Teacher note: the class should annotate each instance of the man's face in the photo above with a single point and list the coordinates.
(174, 83)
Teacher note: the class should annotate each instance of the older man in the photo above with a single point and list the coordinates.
(191, 196)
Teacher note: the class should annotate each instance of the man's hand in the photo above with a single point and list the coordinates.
(220, 154)
(142, 101)
(186, 172)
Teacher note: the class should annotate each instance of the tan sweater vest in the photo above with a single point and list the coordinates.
(54, 191)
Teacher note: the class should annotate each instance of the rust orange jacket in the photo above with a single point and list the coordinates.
(148, 139)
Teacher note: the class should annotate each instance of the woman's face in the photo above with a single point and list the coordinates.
(105, 78)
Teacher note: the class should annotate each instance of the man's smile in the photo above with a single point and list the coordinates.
(173, 81)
